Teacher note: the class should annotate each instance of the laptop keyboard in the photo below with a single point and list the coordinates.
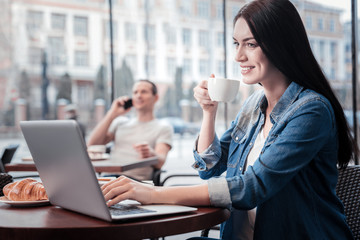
(122, 209)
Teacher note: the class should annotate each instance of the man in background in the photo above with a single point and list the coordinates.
(135, 138)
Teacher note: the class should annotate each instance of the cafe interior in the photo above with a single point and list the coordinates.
(64, 63)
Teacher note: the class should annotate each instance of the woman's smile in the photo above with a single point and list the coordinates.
(246, 69)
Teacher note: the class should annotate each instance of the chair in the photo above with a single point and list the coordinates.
(348, 190)
(171, 176)
(7, 156)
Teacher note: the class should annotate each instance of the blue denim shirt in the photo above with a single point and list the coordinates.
(292, 183)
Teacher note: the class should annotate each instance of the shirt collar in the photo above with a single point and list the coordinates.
(288, 97)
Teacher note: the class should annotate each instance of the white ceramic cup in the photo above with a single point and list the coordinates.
(223, 89)
(96, 151)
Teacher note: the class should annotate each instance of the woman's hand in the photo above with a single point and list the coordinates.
(124, 188)
(201, 95)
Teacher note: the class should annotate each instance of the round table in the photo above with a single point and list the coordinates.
(51, 222)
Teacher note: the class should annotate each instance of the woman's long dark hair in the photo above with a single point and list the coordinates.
(278, 29)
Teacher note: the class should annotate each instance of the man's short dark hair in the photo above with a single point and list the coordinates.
(153, 86)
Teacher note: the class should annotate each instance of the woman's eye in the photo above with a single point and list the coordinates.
(252, 45)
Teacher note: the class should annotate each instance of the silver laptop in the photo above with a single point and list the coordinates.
(60, 156)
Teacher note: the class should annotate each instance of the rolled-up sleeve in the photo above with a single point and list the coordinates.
(208, 158)
(219, 193)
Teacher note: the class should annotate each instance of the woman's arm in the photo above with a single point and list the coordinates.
(207, 130)
(124, 188)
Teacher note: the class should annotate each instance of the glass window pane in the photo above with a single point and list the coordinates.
(80, 26)
(57, 54)
(81, 58)
(58, 21)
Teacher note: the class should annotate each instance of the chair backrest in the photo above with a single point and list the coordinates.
(7, 155)
(348, 190)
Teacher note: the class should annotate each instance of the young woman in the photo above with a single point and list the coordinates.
(282, 151)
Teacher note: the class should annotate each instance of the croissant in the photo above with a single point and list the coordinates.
(27, 189)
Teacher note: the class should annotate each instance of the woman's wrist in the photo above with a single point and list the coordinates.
(159, 195)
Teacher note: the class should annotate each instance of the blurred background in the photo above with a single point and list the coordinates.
(84, 53)
(54, 53)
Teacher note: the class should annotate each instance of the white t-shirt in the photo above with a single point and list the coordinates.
(245, 220)
(128, 132)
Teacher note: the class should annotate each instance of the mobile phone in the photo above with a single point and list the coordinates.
(128, 104)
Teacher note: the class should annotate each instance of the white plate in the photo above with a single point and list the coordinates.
(105, 156)
(24, 203)
(27, 159)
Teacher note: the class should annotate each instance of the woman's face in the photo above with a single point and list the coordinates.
(255, 66)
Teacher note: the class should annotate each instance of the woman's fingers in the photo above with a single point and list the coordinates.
(116, 200)
(116, 192)
(122, 180)
(124, 188)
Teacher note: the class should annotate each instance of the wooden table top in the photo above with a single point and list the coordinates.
(99, 166)
(51, 222)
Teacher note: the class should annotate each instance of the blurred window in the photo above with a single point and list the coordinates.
(34, 20)
(35, 56)
(108, 60)
(332, 25)
(84, 91)
(150, 37)
(219, 11)
(130, 31)
(186, 7)
(150, 65)
(332, 74)
(308, 22)
(322, 50)
(320, 24)
(333, 51)
(186, 36)
(220, 68)
(131, 61)
(81, 58)
(80, 26)
(204, 39)
(58, 21)
(203, 9)
(204, 67)
(57, 53)
(187, 67)
(114, 28)
(220, 39)
(170, 33)
(171, 66)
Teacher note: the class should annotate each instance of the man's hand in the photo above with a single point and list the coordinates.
(144, 150)
(117, 106)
